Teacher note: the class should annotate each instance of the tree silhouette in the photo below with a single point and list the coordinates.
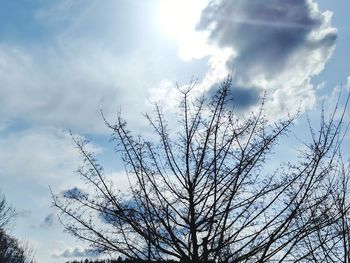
(201, 193)
(11, 250)
(6, 213)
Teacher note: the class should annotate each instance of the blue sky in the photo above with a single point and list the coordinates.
(61, 62)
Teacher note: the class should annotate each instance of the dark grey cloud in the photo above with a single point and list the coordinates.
(264, 33)
(110, 215)
(242, 97)
(245, 97)
(74, 192)
(276, 46)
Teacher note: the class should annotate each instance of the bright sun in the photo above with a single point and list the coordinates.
(178, 17)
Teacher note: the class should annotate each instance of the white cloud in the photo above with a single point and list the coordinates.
(348, 82)
(166, 94)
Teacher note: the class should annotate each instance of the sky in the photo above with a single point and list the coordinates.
(62, 62)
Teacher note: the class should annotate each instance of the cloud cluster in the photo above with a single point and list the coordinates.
(273, 45)
(77, 252)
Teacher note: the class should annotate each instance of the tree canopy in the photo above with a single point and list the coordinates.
(202, 193)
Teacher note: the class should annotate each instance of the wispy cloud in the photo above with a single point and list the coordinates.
(68, 89)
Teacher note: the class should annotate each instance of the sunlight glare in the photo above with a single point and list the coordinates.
(177, 18)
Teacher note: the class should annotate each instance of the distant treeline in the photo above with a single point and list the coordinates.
(120, 260)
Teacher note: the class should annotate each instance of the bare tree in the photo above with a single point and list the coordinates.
(11, 250)
(332, 242)
(7, 213)
(203, 195)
